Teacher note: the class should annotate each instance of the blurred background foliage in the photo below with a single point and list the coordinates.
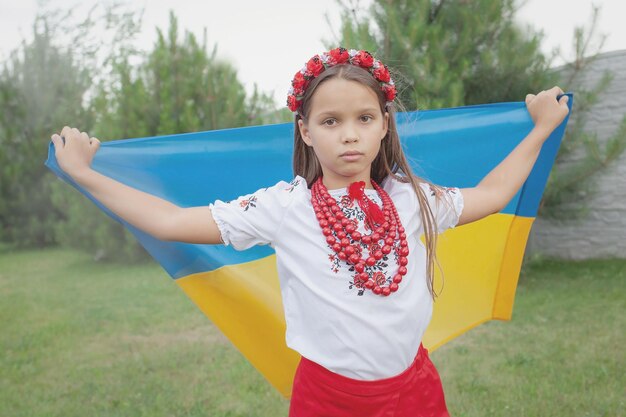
(455, 53)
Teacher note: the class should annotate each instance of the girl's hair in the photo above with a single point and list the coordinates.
(390, 160)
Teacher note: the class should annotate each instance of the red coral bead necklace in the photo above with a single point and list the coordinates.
(343, 237)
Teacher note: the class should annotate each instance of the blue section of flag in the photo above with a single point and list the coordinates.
(451, 147)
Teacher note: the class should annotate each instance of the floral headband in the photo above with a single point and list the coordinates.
(319, 63)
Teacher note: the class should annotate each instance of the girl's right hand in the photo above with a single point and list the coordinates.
(74, 150)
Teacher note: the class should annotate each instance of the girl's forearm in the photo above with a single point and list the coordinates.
(507, 178)
(144, 211)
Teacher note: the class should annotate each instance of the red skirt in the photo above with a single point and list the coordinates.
(416, 392)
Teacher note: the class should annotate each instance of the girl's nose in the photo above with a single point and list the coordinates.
(350, 135)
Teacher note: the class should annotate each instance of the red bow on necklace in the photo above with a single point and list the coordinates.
(373, 214)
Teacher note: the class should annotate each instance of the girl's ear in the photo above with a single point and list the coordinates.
(304, 132)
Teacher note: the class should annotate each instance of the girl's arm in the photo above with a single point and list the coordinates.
(496, 189)
(153, 215)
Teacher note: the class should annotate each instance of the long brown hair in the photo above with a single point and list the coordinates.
(390, 160)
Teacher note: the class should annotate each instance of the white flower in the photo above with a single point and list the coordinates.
(352, 52)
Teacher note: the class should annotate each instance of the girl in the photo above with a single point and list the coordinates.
(357, 320)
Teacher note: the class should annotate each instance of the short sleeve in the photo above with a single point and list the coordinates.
(446, 204)
(254, 219)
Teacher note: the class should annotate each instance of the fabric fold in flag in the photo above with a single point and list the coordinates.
(239, 291)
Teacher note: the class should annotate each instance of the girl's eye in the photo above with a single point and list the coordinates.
(329, 122)
(366, 118)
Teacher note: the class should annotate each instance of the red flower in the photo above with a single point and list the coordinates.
(339, 56)
(345, 201)
(379, 278)
(315, 66)
(293, 103)
(299, 82)
(382, 74)
(390, 92)
(363, 59)
(373, 248)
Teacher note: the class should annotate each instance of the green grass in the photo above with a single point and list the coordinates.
(561, 355)
(81, 338)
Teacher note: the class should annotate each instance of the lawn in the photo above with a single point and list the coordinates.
(83, 338)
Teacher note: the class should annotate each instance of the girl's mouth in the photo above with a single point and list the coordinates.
(351, 156)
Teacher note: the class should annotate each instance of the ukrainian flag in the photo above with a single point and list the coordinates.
(239, 291)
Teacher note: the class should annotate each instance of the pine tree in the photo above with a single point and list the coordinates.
(449, 53)
(582, 156)
(109, 89)
(41, 86)
(453, 52)
(179, 86)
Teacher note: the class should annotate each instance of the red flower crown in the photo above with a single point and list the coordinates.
(337, 56)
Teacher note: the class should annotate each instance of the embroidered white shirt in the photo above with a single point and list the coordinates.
(330, 320)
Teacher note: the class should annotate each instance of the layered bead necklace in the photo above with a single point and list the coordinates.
(342, 235)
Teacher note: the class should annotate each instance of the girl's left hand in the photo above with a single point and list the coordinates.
(547, 113)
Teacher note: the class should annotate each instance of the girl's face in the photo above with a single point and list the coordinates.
(345, 127)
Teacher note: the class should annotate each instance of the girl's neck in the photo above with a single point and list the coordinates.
(343, 183)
